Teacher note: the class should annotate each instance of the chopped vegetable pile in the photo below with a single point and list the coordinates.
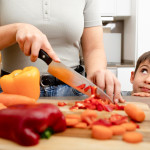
(96, 104)
(93, 102)
(105, 128)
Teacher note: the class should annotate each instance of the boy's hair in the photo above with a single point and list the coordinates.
(142, 58)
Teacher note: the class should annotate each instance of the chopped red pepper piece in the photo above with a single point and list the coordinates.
(104, 122)
(117, 119)
(61, 104)
(93, 90)
(108, 108)
(94, 102)
(87, 88)
(114, 119)
(97, 104)
(24, 124)
(82, 86)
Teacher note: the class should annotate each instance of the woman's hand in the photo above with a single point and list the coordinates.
(142, 94)
(106, 80)
(31, 40)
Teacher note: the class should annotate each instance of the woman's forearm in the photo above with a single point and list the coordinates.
(93, 50)
(8, 35)
(95, 61)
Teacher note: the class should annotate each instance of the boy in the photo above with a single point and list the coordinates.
(140, 78)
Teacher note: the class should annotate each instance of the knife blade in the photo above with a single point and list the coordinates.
(70, 76)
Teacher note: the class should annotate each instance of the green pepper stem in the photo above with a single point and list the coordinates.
(46, 134)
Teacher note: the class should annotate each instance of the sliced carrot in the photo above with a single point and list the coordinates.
(81, 125)
(132, 137)
(134, 112)
(89, 116)
(71, 122)
(129, 126)
(2, 106)
(73, 116)
(118, 129)
(13, 99)
(101, 132)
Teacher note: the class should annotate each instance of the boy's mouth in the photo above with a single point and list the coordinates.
(144, 89)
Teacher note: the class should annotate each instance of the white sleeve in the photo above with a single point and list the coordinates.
(92, 16)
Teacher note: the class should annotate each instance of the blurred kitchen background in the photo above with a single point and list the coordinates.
(126, 26)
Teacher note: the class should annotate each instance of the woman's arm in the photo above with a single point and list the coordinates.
(29, 38)
(8, 35)
(96, 63)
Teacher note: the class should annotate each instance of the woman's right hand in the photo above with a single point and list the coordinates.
(31, 40)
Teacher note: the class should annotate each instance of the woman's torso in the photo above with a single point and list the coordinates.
(61, 20)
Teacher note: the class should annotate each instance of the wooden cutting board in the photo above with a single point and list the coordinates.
(80, 139)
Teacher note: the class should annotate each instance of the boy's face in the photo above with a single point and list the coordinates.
(141, 80)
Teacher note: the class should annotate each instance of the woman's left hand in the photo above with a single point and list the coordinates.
(106, 80)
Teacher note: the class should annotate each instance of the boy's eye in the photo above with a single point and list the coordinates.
(144, 71)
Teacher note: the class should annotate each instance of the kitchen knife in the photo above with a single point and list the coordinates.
(70, 76)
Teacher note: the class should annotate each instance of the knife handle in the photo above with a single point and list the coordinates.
(44, 56)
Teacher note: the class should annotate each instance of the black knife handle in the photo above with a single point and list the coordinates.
(44, 56)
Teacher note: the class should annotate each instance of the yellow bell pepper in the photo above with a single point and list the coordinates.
(22, 82)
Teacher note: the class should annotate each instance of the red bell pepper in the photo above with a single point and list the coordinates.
(25, 123)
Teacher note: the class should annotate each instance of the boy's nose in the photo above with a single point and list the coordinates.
(147, 80)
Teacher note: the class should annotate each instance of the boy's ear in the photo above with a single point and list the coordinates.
(132, 77)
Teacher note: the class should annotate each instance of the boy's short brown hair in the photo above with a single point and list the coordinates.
(142, 58)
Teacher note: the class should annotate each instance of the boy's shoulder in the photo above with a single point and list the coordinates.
(126, 93)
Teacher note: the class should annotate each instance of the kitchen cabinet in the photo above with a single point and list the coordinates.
(115, 7)
(112, 46)
(123, 7)
(108, 7)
